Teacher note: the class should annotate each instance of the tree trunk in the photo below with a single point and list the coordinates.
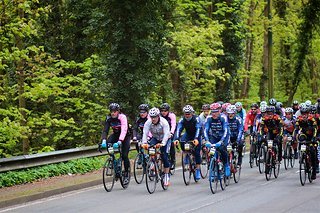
(313, 75)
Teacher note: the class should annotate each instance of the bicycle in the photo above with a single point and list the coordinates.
(216, 170)
(271, 160)
(188, 162)
(235, 169)
(139, 165)
(262, 157)
(254, 150)
(113, 169)
(288, 153)
(305, 167)
(154, 169)
(205, 160)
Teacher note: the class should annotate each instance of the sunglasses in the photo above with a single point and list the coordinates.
(163, 110)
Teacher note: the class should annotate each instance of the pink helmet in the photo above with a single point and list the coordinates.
(224, 106)
(215, 107)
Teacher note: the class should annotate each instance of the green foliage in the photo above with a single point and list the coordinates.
(79, 166)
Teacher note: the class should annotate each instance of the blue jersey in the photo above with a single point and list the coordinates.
(216, 129)
(191, 126)
(236, 128)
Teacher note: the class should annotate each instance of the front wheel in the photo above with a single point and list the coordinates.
(268, 166)
(204, 164)
(262, 155)
(213, 175)
(151, 176)
(186, 168)
(302, 170)
(139, 168)
(108, 175)
(222, 177)
(292, 157)
(286, 156)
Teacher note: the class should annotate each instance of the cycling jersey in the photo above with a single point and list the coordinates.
(271, 125)
(171, 118)
(306, 126)
(119, 125)
(242, 114)
(192, 127)
(138, 127)
(159, 131)
(250, 120)
(219, 129)
(236, 128)
(288, 125)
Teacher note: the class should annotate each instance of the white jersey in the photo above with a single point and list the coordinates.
(160, 131)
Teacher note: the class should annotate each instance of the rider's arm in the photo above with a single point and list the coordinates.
(225, 127)
(261, 126)
(280, 126)
(166, 131)
(124, 126)
(173, 120)
(105, 130)
(146, 130)
(315, 127)
(179, 129)
(246, 122)
(135, 128)
(206, 129)
(240, 129)
(198, 128)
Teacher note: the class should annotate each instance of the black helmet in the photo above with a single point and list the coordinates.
(205, 107)
(254, 105)
(165, 106)
(272, 101)
(114, 107)
(295, 102)
(313, 109)
(270, 109)
(144, 107)
(279, 105)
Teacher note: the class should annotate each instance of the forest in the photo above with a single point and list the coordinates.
(62, 62)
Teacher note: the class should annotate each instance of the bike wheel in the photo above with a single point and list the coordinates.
(125, 183)
(292, 158)
(286, 156)
(151, 176)
(276, 168)
(236, 171)
(251, 155)
(222, 178)
(213, 175)
(108, 175)
(302, 170)
(186, 169)
(160, 170)
(268, 166)
(139, 168)
(262, 155)
(231, 169)
(204, 164)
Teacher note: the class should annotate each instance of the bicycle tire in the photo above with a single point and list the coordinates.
(262, 155)
(193, 168)
(251, 157)
(138, 172)
(186, 169)
(286, 156)
(292, 157)
(108, 175)
(230, 158)
(268, 166)
(204, 164)
(302, 170)
(222, 178)
(161, 174)
(309, 169)
(213, 178)
(151, 176)
(237, 170)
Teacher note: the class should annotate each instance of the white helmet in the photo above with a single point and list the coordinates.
(288, 110)
(238, 104)
(263, 103)
(302, 105)
(230, 110)
(263, 108)
(233, 107)
(188, 109)
(308, 103)
(154, 112)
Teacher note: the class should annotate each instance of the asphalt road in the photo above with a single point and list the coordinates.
(252, 194)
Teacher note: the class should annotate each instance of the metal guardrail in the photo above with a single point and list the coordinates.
(28, 161)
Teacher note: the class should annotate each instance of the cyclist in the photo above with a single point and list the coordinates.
(160, 130)
(119, 124)
(224, 108)
(295, 106)
(288, 127)
(171, 118)
(217, 132)
(257, 122)
(272, 102)
(316, 116)
(249, 122)
(203, 116)
(140, 121)
(279, 109)
(307, 125)
(236, 131)
(271, 126)
(298, 113)
(191, 124)
(263, 103)
(241, 111)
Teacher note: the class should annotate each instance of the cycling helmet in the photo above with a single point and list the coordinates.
(302, 105)
(263, 103)
(279, 105)
(295, 102)
(304, 109)
(188, 109)
(143, 107)
(165, 106)
(114, 107)
(233, 107)
(238, 104)
(225, 106)
(205, 107)
(220, 102)
(154, 112)
(272, 101)
(230, 110)
(313, 109)
(263, 108)
(254, 105)
(308, 103)
(270, 109)
(215, 107)
(288, 110)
